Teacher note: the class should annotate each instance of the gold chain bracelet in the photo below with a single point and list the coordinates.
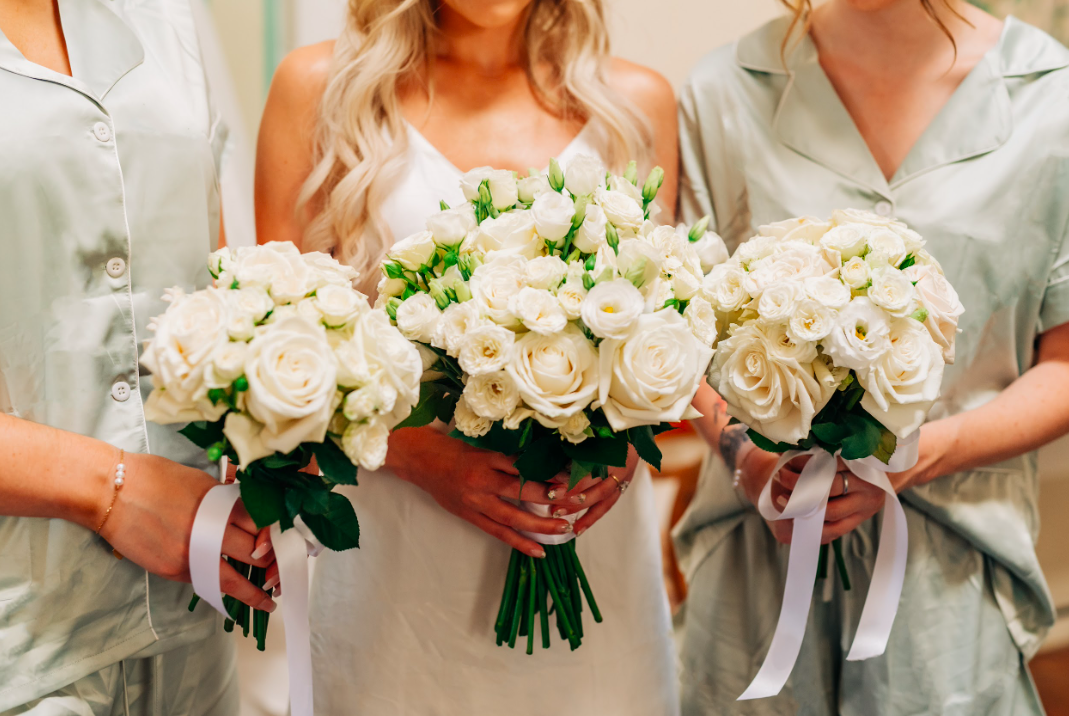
(118, 482)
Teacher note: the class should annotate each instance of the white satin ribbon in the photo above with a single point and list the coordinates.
(292, 549)
(807, 506)
(547, 511)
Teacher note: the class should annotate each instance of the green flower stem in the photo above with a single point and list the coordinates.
(837, 546)
(518, 609)
(194, 602)
(543, 608)
(562, 612)
(584, 583)
(504, 612)
(822, 562)
(532, 588)
(573, 588)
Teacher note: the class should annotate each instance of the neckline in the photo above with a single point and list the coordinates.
(427, 144)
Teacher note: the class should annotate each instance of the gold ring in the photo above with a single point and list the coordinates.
(622, 486)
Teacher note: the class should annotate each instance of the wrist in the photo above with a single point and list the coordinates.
(87, 500)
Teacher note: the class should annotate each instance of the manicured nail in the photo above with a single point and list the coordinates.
(781, 501)
(539, 554)
(270, 584)
(267, 606)
(579, 499)
(580, 531)
(552, 494)
(566, 528)
(277, 592)
(558, 513)
(261, 550)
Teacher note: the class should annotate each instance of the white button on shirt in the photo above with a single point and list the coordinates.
(884, 208)
(102, 132)
(121, 391)
(116, 267)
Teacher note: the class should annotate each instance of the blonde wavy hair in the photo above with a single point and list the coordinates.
(360, 137)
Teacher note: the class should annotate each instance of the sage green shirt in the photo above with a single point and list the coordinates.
(987, 185)
(108, 195)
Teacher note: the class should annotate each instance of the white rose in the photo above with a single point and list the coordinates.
(503, 191)
(414, 251)
(545, 272)
(366, 444)
(327, 270)
(241, 327)
(701, 317)
(552, 214)
(276, 267)
(891, 291)
(901, 387)
(941, 302)
(221, 262)
(228, 364)
(575, 428)
(486, 349)
(611, 308)
(887, 243)
(755, 249)
(492, 395)
(848, 239)
(777, 398)
(723, 288)
(856, 274)
(291, 373)
(339, 305)
(827, 291)
(469, 183)
(913, 241)
(792, 262)
(557, 375)
(625, 212)
(804, 228)
(571, 296)
(711, 251)
(780, 301)
(511, 233)
(538, 310)
(188, 335)
(417, 317)
(652, 376)
(783, 347)
(530, 187)
(253, 302)
(451, 226)
(469, 422)
(811, 321)
(860, 336)
(494, 284)
(591, 234)
(583, 175)
(364, 402)
(456, 320)
(685, 285)
(516, 418)
(656, 293)
(860, 216)
(377, 352)
(387, 289)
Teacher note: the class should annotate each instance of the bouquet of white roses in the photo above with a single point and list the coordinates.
(561, 326)
(282, 360)
(833, 342)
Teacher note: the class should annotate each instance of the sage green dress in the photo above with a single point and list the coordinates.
(108, 195)
(988, 186)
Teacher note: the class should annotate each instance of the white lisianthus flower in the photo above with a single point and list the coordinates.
(575, 428)
(860, 336)
(531, 186)
(711, 250)
(277, 267)
(240, 327)
(510, 233)
(188, 335)
(291, 372)
(517, 417)
(328, 271)
(888, 243)
(503, 190)
(892, 291)
(494, 284)
(941, 302)
(388, 288)
(902, 385)
(486, 350)
(364, 402)
(366, 444)
(557, 375)
(583, 175)
(856, 273)
(624, 211)
(685, 285)
(611, 309)
(780, 301)
(777, 398)
(591, 234)
(417, 317)
(811, 321)
(469, 183)
(571, 296)
(803, 228)
(910, 238)
(469, 422)
(221, 262)
(618, 183)
(639, 261)
(339, 305)
(450, 227)
(545, 272)
(253, 302)
(538, 310)
(723, 288)
(701, 317)
(414, 251)
(492, 395)
(656, 294)
(552, 214)
(651, 376)
(849, 240)
(828, 291)
(783, 347)
(456, 320)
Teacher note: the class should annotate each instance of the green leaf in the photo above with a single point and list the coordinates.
(579, 471)
(544, 459)
(264, 500)
(447, 406)
(767, 445)
(336, 526)
(426, 410)
(277, 461)
(334, 463)
(830, 433)
(642, 438)
(203, 434)
(864, 436)
(498, 439)
(907, 262)
(600, 451)
(886, 448)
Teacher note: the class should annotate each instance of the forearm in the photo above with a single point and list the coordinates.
(731, 441)
(413, 449)
(45, 472)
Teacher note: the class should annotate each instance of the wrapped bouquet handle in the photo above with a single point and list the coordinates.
(292, 549)
(807, 506)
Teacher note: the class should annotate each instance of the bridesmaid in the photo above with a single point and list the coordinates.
(958, 124)
(109, 151)
(359, 142)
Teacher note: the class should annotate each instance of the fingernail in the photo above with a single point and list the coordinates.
(580, 531)
(579, 499)
(552, 494)
(267, 606)
(566, 528)
(270, 584)
(261, 550)
(781, 501)
(539, 554)
(558, 513)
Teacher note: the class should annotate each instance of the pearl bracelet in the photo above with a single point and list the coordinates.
(120, 479)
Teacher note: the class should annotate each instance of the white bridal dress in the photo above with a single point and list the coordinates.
(403, 626)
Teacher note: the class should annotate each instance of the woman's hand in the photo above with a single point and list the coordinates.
(606, 493)
(845, 511)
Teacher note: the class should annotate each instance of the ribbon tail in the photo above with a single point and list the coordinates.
(291, 554)
(206, 542)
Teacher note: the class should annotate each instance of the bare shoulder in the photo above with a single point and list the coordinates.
(644, 87)
(302, 75)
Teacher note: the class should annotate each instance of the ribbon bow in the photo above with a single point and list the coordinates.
(807, 505)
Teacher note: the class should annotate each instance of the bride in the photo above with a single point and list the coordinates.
(360, 140)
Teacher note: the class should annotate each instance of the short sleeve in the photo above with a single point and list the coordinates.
(695, 198)
(1055, 308)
